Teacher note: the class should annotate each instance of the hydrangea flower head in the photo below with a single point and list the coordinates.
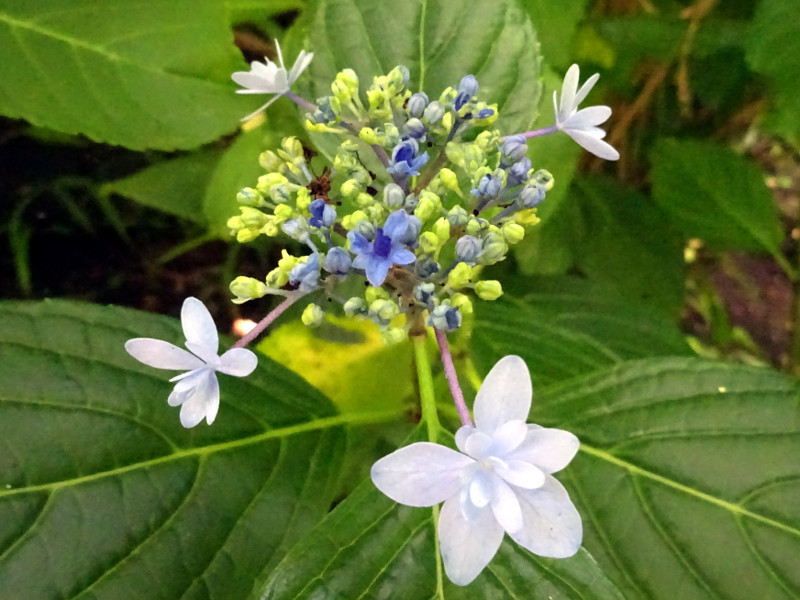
(196, 390)
(387, 249)
(582, 125)
(500, 481)
(269, 78)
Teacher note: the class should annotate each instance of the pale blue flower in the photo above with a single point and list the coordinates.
(387, 249)
(405, 160)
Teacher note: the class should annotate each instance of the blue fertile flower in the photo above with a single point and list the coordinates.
(405, 160)
(306, 274)
(518, 173)
(466, 90)
(337, 261)
(387, 249)
(489, 187)
(322, 213)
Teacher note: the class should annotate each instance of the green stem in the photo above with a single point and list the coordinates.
(439, 573)
(427, 397)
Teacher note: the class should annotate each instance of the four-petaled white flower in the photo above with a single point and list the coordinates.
(500, 481)
(581, 125)
(197, 390)
(269, 78)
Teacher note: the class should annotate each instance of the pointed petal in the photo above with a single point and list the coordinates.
(280, 54)
(555, 109)
(588, 117)
(203, 401)
(161, 354)
(422, 474)
(376, 270)
(506, 508)
(184, 388)
(239, 362)
(260, 108)
(568, 89)
(198, 326)
(519, 473)
(300, 64)
(467, 546)
(549, 449)
(585, 89)
(593, 144)
(552, 524)
(505, 395)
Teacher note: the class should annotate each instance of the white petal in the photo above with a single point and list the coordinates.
(462, 435)
(203, 402)
(504, 396)
(239, 362)
(161, 354)
(568, 89)
(549, 449)
(552, 524)
(588, 117)
(260, 108)
(593, 144)
(585, 89)
(467, 546)
(300, 65)
(422, 474)
(519, 473)
(198, 327)
(508, 436)
(253, 83)
(481, 488)
(506, 508)
(280, 54)
(186, 383)
(478, 445)
(555, 109)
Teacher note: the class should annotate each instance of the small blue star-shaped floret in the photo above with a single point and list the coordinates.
(405, 160)
(322, 213)
(387, 249)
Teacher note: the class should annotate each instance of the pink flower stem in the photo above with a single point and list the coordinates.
(535, 133)
(300, 101)
(267, 321)
(452, 377)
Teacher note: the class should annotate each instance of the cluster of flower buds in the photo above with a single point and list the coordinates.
(451, 198)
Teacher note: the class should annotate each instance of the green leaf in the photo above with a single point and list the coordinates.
(556, 24)
(565, 327)
(687, 477)
(772, 49)
(175, 186)
(438, 41)
(94, 456)
(370, 547)
(629, 245)
(714, 194)
(146, 74)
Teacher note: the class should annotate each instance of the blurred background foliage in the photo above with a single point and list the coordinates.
(696, 226)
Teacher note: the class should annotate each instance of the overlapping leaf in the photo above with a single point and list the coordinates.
(104, 495)
(146, 74)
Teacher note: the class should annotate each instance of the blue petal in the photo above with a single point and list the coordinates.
(358, 243)
(401, 256)
(377, 270)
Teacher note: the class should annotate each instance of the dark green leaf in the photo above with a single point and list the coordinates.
(438, 41)
(146, 74)
(714, 194)
(176, 186)
(555, 23)
(370, 547)
(104, 495)
(568, 327)
(629, 245)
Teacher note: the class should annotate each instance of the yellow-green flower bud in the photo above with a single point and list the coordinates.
(252, 217)
(376, 213)
(393, 335)
(459, 277)
(235, 223)
(375, 293)
(287, 262)
(293, 148)
(351, 188)
(442, 229)
(428, 242)
(247, 288)
(462, 303)
(302, 201)
(455, 153)
(489, 289)
(474, 226)
(355, 306)
(312, 316)
(250, 197)
(277, 278)
(375, 97)
(494, 249)
(368, 135)
(544, 179)
(350, 221)
(247, 235)
(457, 216)
(425, 209)
(269, 161)
(513, 233)
(283, 212)
(383, 311)
(449, 180)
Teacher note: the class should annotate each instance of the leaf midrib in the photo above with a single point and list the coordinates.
(201, 451)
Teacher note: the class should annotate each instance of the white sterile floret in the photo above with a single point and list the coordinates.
(196, 390)
(269, 78)
(581, 125)
(500, 481)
